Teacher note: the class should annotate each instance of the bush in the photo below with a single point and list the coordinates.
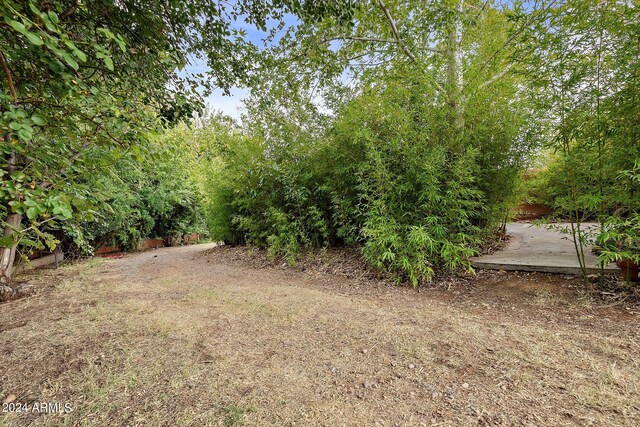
(620, 240)
(385, 175)
(136, 198)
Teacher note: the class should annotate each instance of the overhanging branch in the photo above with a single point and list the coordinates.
(396, 33)
(12, 88)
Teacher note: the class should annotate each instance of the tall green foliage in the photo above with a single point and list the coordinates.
(414, 162)
(153, 197)
(584, 61)
(384, 175)
(419, 205)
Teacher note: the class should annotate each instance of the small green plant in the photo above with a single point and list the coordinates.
(234, 414)
(620, 236)
(620, 240)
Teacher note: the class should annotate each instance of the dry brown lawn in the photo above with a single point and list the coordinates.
(185, 337)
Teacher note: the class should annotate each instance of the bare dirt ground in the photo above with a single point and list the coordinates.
(198, 336)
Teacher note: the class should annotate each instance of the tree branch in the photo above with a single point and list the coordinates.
(515, 34)
(498, 76)
(72, 9)
(373, 39)
(12, 88)
(396, 33)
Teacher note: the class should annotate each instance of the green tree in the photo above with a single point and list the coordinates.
(583, 63)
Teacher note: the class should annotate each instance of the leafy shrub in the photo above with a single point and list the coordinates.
(620, 234)
(620, 240)
(386, 175)
(589, 182)
(135, 198)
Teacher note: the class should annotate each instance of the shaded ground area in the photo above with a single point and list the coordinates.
(533, 248)
(182, 336)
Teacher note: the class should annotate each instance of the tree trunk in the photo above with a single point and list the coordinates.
(455, 80)
(12, 225)
(13, 221)
(8, 255)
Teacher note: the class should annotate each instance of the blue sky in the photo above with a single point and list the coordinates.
(231, 105)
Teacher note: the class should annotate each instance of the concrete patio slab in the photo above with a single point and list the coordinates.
(534, 248)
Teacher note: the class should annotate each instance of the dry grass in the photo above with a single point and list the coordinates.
(176, 337)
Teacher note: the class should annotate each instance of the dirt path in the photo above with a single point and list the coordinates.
(179, 337)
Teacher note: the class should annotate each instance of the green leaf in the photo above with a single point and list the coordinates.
(25, 134)
(38, 120)
(17, 206)
(108, 62)
(29, 243)
(18, 26)
(50, 26)
(107, 33)
(66, 213)
(32, 212)
(34, 8)
(34, 38)
(6, 241)
(121, 44)
(53, 17)
(69, 59)
(80, 55)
